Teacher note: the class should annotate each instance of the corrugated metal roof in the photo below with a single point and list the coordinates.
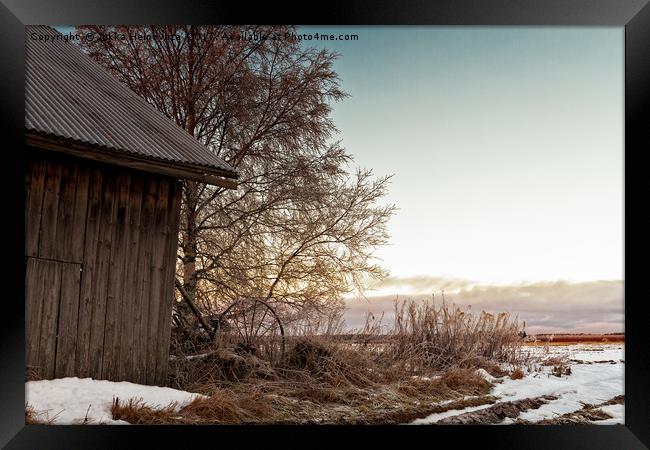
(69, 95)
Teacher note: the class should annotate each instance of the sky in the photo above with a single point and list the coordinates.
(506, 149)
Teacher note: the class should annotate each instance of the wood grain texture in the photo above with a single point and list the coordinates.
(89, 272)
(156, 293)
(169, 272)
(68, 320)
(143, 285)
(34, 191)
(129, 288)
(50, 271)
(47, 243)
(117, 264)
(99, 284)
(34, 295)
(100, 252)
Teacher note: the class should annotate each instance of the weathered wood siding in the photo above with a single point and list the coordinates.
(100, 250)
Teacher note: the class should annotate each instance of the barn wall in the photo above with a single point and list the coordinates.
(100, 251)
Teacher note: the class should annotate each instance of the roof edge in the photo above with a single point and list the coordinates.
(106, 155)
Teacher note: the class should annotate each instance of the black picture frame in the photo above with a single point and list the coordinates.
(634, 15)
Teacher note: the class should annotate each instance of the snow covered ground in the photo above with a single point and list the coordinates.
(597, 375)
(71, 400)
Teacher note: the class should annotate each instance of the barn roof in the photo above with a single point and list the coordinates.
(73, 104)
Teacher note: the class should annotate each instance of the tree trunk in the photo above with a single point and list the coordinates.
(190, 245)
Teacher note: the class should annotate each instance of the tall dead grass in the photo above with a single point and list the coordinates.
(427, 337)
(430, 354)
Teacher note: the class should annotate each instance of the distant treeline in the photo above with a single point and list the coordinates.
(579, 337)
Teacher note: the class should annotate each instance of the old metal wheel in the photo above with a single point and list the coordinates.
(251, 326)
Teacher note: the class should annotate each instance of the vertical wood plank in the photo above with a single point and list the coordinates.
(34, 294)
(28, 180)
(47, 241)
(89, 274)
(78, 226)
(50, 319)
(142, 268)
(68, 315)
(115, 283)
(102, 272)
(64, 216)
(172, 222)
(157, 279)
(34, 191)
(129, 357)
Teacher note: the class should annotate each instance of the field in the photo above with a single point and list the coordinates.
(571, 384)
(566, 339)
(437, 365)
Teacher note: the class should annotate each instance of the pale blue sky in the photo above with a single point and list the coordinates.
(506, 144)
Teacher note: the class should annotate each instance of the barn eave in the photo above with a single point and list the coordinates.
(195, 172)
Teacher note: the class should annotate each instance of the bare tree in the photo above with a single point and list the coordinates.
(301, 229)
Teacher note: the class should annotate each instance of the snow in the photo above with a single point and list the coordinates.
(422, 378)
(616, 411)
(71, 400)
(588, 383)
(191, 357)
(485, 375)
(451, 412)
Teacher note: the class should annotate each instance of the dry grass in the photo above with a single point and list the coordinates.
(224, 407)
(555, 361)
(465, 381)
(426, 336)
(32, 417)
(32, 374)
(560, 370)
(517, 374)
(216, 409)
(491, 367)
(227, 407)
(429, 356)
(560, 364)
(136, 412)
(330, 363)
(325, 382)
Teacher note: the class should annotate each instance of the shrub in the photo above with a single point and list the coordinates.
(517, 374)
(426, 336)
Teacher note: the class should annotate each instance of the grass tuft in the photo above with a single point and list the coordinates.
(136, 412)
(517, 374)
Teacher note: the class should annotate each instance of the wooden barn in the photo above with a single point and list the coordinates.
(102, 208)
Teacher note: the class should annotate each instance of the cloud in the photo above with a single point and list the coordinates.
(422, 283)
(553, 306)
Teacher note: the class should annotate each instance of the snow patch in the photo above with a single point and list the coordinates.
(486, 375)
(616, 411)
(72, 400)
(450, 412)
(593, 383)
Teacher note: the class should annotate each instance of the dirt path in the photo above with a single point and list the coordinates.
(588, 414)
(496, 413)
